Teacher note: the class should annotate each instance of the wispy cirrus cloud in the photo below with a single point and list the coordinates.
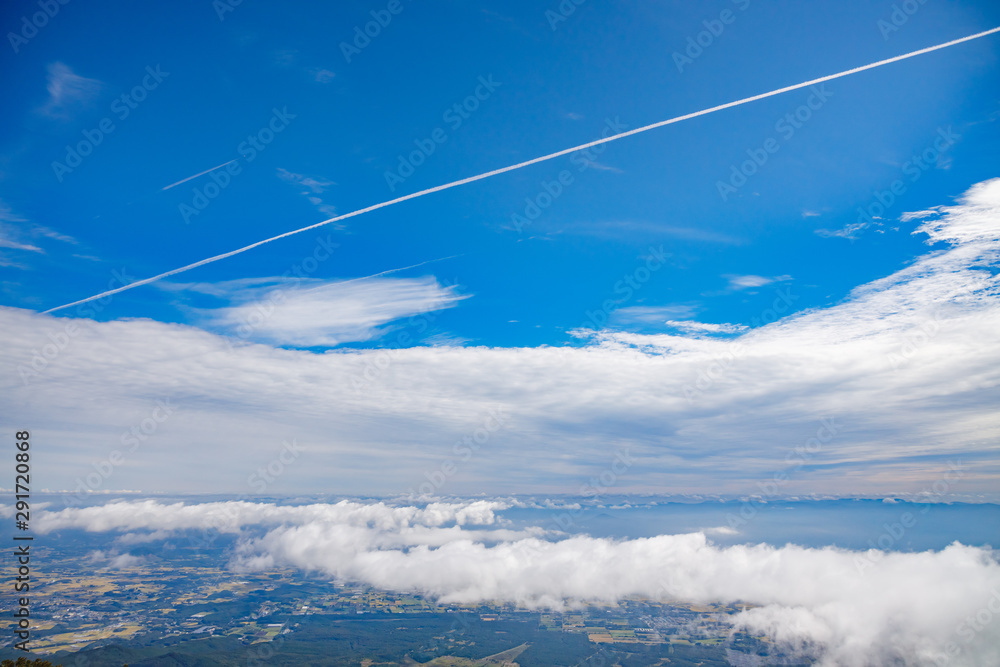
(68, 91)
(7, 240)
(645, 228)
(850, 231)
(325, 313)
(53, 234)
(650, 315)
(323, 75)
(311, 187)
(18, 233)
(10, 232)
(692, 327)
(750, 281)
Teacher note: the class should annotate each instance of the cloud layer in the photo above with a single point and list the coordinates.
(850, 609)
(908, 367)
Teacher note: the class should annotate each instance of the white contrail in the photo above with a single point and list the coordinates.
(402, 268)
(536, 160)
(199, 174)
(386, 272)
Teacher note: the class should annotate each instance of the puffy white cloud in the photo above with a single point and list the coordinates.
(851, 609)
(972, 220)
(114, 560)
(234, 516)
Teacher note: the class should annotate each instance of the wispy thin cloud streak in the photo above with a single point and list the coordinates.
(207, 171)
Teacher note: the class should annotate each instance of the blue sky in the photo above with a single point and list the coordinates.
(222, 76)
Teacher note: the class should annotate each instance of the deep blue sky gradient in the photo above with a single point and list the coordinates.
(557, 88)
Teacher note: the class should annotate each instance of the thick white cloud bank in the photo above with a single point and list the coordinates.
(907, 368)
(849, 609)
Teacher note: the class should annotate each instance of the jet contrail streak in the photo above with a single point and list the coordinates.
(197, 175)
(386, 272)
(520, 165)
(402, 268)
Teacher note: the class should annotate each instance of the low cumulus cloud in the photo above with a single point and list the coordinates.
(854, 609)
(232, 517)
(113, 560)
